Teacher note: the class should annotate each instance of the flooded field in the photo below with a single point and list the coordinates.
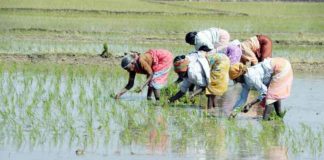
(56, 91)
(67, 112)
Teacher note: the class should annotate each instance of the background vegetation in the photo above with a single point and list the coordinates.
(81, 27)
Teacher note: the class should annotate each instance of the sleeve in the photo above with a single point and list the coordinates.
(261, 88)
(203, 41)
(243, 96)
(146, 66)
(130, 80)
(185, 85)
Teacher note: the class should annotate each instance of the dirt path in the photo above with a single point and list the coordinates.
(97, 60)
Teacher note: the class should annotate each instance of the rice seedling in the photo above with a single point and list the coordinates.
(73, 104)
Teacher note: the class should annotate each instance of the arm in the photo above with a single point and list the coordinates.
(262, 89)
(179, 80)
(129, 85)
(149, 78)
(149, 71)
(197, 91)
(176, 96)
(247, 107)
(183, 89)
(243, 97)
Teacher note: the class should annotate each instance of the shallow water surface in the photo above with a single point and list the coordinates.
(52, 111)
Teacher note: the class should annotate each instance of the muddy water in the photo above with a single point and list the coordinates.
(305, 105)
(83, 117)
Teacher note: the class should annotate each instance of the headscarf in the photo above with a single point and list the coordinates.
(237, 70)
(126, 61)
(180, 63)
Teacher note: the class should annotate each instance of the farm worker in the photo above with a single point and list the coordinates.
(232, 51)
(192, 55)
(155, 63)
(208, 72)
(256, 49)
(272, 78)
(213, 38)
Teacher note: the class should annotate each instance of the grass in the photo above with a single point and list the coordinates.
(58, 105)
(83, 27)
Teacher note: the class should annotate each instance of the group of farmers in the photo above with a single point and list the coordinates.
(210, 67)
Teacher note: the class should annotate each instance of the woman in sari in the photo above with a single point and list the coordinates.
(209, 72)
(272, 78)
(155, 64)
(213, 38)
(256, 49)
(234, 52)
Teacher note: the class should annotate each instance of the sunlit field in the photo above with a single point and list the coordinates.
(63, 109)
(50, 110)
(82, 27)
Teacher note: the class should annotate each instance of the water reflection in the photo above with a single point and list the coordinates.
(62, 109)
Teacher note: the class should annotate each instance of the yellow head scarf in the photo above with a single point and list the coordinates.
(237, 70)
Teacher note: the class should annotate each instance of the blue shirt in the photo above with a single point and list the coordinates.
(257, 77)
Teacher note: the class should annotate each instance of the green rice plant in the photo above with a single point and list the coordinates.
(57, 120)
(34, 136)
(90, 131)
(30, 112)
(18, 135)
(274, 117)
(270, 134)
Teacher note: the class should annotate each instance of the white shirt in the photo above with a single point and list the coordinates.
(207, 38)
(198, 71)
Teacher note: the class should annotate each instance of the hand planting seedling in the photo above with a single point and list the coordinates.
(138, 89)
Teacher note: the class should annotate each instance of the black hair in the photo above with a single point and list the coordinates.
(178, 58)
(190, 37)
(204, 48)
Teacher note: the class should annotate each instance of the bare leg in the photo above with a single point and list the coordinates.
(214, 101)
(267, 111)
(157, 94)
(210, 101)
(277, 106)
(149, 93)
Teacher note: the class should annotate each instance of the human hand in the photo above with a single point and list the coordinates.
(191, 96)
(117, 96)
(232, 115)
(138, 89)
(170, 100)
(247, 107)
